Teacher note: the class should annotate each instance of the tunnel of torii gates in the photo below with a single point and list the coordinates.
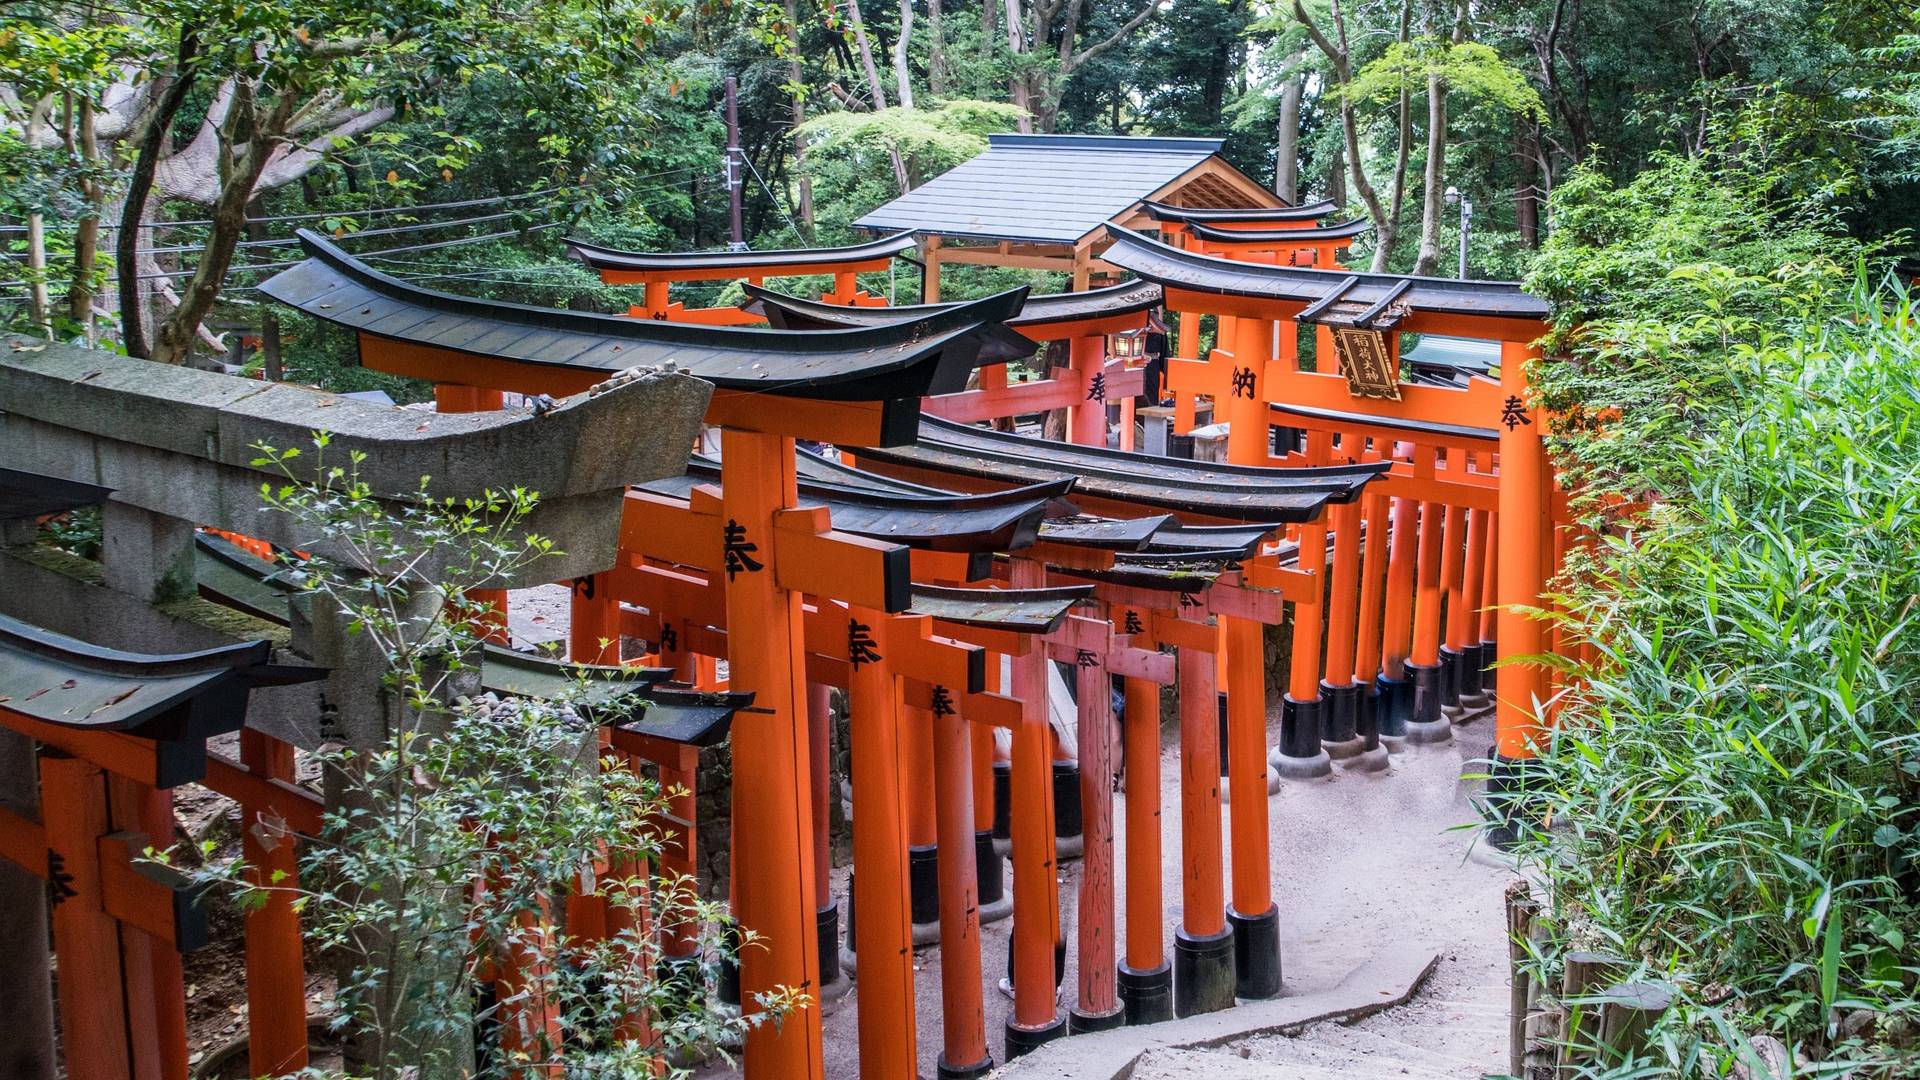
(831, 550)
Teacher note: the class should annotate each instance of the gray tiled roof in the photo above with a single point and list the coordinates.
(1041, 188)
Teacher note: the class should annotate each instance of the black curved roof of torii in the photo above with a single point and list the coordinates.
(1189, 215)
(883, 363)
(642, 700)
(782, 262)
(1234, 492)
(177, 700)
(795, 313)
(1175, 268)
(1345, 230)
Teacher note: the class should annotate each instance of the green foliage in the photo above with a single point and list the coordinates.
(1468, 68)
(849, 153)
(1735, 792)
(1660, 286)
(452, 845)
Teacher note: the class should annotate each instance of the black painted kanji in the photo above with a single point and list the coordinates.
(738, 551)
(1087, 658)
(1097, 389)
(584, 586)
(59, 882)
(1132, 624)
(1187, 600)
(860, 644)
(1243, 382)
(942, 701)
(1513, 413)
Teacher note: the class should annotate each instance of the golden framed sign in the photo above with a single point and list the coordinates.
(1367, 362)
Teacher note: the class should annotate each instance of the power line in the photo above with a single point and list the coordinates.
(436, 245)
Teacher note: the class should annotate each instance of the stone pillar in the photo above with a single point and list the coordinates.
(144, 554)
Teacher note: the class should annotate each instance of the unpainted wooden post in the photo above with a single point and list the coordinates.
(1521, 910)
(1585, 973)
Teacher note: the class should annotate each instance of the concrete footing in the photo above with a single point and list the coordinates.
(1374, 760)
(1345, 748)
(1427, 732)
(1302, 768)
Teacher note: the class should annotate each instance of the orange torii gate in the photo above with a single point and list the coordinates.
(844, 639)
(1495, 498)
(1214, 959)
(861, 387)
(657, 271)
(1083, 319)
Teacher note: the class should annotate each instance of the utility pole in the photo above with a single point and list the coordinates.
(735, 158)
(1455, 196)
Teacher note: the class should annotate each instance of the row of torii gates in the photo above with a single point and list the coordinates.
(933, 571)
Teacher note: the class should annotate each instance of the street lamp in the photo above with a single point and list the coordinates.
(1453, 196)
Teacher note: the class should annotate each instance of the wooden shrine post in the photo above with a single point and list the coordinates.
(1036, 1019)
(1523, 570)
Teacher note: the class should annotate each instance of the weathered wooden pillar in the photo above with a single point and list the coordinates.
(1146, 978)
(772, 796)
(883, 920)
(963, 1017)
(1036, 1018)
(1099, 1004)
(819, 761)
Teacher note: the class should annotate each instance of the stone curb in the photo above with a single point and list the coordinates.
(1390, 978)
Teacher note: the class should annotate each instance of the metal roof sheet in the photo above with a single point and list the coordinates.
(1314, 211)
(1042, 188)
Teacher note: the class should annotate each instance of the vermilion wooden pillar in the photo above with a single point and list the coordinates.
(1371, 598)
(94, 1035)
(1453, 575)
(923, 849)
(963, 1018)
(1340, 719)
(156, 988)
(1522, 570)
(1099, 1004)
(1087, 418)
(1145, 979)
(1463, 617)
(772, 785)
(593, 625)
(1203, 945)
(883, 920)
(1253, 916)
(276, 975)
(1036, 1018)
(1396, 640)
(1423, 663)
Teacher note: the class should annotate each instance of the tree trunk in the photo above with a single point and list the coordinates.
(86, 237)
(1435, 177)
(902, 77)
(874, 86)
(937, 49)
(133, 331)
(39, 303)
(798, 106)
(1018, 90)
(1337, 176)
(271, 368)
(1526, 196)
(239, 172)
(1286, 146)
